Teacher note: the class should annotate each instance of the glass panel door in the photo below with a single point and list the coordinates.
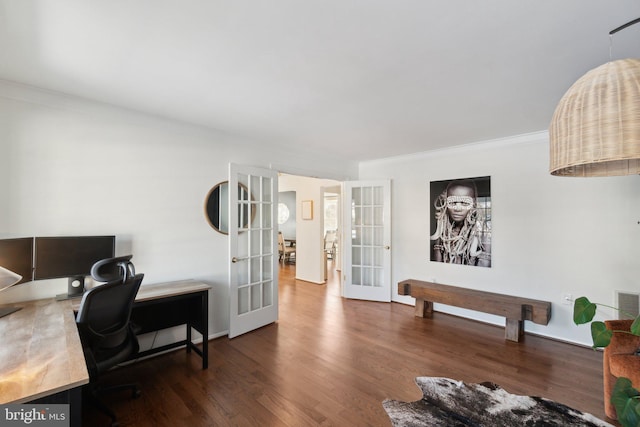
(367, 240)
(253, 278)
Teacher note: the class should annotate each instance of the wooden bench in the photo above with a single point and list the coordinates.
(515, 309)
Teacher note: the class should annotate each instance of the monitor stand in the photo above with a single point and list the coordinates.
(75, 288)
(62, 297)
(5, 311)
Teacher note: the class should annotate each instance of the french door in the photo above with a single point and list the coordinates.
(367, 240)
(253, 254)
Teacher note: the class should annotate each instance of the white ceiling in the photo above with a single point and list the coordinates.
(365, 79)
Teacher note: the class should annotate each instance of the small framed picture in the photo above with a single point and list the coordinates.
(307, 209)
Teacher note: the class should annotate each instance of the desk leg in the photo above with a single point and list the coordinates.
(205, 330)
(72, 397)
(75, 399)
(204, 322)
(189, 341)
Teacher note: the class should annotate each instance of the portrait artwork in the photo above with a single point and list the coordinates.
(461, 221)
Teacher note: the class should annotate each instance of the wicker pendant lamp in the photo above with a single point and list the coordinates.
(595, 130)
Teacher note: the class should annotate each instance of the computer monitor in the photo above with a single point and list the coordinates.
(17, 255)
(16, 265)
(70, 257)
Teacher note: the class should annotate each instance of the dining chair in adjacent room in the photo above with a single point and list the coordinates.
(285, 251)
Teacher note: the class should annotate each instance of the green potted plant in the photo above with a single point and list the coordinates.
(625, 398)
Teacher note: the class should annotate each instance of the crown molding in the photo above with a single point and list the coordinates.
(528, 138)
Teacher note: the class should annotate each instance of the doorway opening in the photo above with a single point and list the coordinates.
(309, 217)
(332, 219)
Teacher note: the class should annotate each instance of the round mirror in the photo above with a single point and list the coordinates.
(283, 213)
(216, 207)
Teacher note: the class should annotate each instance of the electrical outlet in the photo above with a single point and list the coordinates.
(567, 299)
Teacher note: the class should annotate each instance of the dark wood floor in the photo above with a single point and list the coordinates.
(330, 361)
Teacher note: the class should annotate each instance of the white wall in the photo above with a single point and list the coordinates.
(73, 167)
(550, 236)
(69, 166)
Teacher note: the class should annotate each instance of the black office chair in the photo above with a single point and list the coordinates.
(111, 269)
(107, 335)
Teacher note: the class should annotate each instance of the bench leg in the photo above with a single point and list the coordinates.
(513, 330)
(423, 308)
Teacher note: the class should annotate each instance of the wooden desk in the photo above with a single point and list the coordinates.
(172, 304)
(41, 354)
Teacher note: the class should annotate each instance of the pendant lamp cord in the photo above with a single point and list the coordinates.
(622, 27)
(615, 30)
